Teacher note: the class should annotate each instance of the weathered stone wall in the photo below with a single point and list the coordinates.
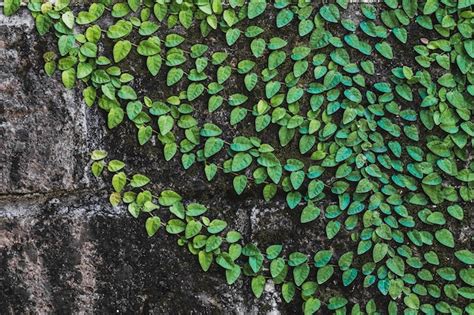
(64, 249)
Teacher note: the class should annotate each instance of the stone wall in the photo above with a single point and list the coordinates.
(64, 249)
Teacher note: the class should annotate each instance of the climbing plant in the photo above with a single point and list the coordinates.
(366, 111)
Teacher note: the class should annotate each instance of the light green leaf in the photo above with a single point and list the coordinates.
(11, 6)
(152, 225)
(324, 274)
(240, 182)
(139, 180)
(121, 50)
(310, 213)
(256, 8)
(258, 284)
(445, 237)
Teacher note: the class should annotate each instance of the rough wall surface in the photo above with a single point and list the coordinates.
(64, 249)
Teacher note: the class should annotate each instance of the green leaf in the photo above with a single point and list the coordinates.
(115, 199)
(456, 212)
(240, 182)
(89, 50)
(68, 19)
(349, 276)
(98, 155)
(275, 59)
(144, 134)
(310, 213)
(353, 94)
(364, 186)
(69, 78)
(120, 29)
(210, 170)
(241, 161)
(165, 124)
(237, 115)
(153, 64)
(410, 7)
(97, 168)
(294, 94)
(173, 40)
(121, 50)
(119, 181)
(464, 4)
(258, 284)
(466, 256)
(311, 306)
(169, 198)
(212, 146)
(115, 117)
(170, 150)
(127, 93)
(345, 260)
(233, 236)
(11, 6)
(215, 102)
(322, 257)
(273, 251)
(83, 70)
(300, 274)
(272, 88)
(147, 28)
(296, 258)
(293, 199)
(288, 291)
(175, 226)
(205, 260)
(343, 153)
(324, 274)
(216, 226)
(256, 8)
(396, 265)
(305, 27)
(297, 179)
(315, 188)
(384, 49)
(152, 225)
(43, 23)
(232, 35)
(194, 90)
(277, 266)
(445, 237)
(195, 209)
(186, 18)
(149, 47)
(379, 252)
(237, 99)
(139, 180)
(439, 148)
(192, 229)
(330, 13)
(251, 80)
(232, 274)
(284, 17)
(213, 242)
(173, 76)
(412, 301)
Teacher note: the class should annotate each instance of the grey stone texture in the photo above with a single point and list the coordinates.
(63, 248)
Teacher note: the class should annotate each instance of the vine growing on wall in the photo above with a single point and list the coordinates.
(367, 106)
